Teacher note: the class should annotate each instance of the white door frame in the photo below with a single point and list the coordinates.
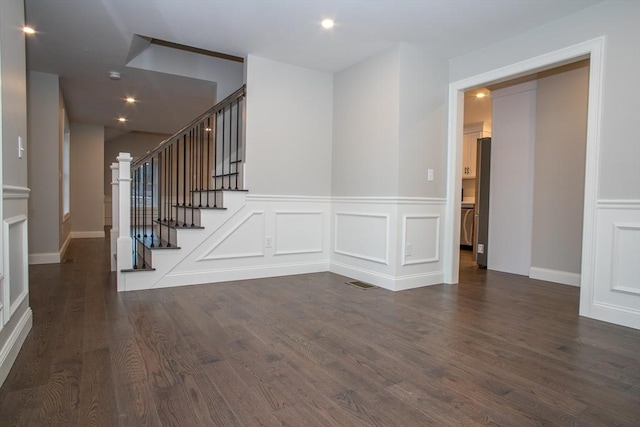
(594, 49)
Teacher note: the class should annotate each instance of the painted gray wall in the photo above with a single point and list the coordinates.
(366, 120)
(14, 92)
(13, 107)
(44, 145)
(87, 177)
(511, 181)
(288, 129)
(558, 197)
(136, 143)
(422, 122)
(619, 176)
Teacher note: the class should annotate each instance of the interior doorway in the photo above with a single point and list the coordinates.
(594, 51)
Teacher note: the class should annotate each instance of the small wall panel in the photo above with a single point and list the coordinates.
(245, 240)
(16, 262)
(625, 269)
(364, 236)
(422, 232)
(298, 233)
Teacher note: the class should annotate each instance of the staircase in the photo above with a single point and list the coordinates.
(171, 202)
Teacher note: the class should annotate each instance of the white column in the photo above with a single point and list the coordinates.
(124, 246)
(114, 213)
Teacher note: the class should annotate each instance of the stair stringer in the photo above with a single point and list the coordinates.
(164, 261)
(221, 258)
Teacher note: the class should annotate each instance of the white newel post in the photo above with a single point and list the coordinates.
(124, 217)
(114, 214)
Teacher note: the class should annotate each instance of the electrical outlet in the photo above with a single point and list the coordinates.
(20, 147)
(408, 249)
(268, 241)
(480, 248)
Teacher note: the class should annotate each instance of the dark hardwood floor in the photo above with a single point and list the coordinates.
(308, 350)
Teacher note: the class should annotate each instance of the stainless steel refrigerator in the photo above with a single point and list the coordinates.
(481, 213)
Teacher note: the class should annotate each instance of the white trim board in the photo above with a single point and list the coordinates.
(50, 257)
(555, 276)
(9, 351)
(595, 50)
(15, 192)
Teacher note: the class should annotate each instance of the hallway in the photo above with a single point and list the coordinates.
(309, 350)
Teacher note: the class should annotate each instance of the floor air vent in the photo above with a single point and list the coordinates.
(360, 285)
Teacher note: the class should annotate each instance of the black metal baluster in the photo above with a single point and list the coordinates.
(135, 219)
(192, 176)
(224, 119)
(237, 163)
(215, 160)
(144, 200)
(208, 172)
(170, 187)
(201, 157)
(152, 199)
(184, 177)
(162, 188)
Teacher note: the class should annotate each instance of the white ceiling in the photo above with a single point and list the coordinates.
(81, 40)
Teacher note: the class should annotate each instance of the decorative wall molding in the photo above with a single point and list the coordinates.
(391, 200)
(15, 192)
(284, 198)
(625, 266)
(301, 236)
(12, 345)
(555, 276)
(342, 238)
(424, 240)
(618, 204)
(16, 264)
(209, 253)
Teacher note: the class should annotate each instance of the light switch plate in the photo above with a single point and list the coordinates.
(429, 175)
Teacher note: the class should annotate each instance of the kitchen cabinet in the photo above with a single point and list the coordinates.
(469, 151)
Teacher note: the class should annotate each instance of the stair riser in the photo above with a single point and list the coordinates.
(186, 215)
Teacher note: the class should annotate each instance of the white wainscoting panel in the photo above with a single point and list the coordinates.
(245, 240)
(16, 262)
(625, 269)
(614, 294)
(422, 232)
(362, 235)
(298, 232)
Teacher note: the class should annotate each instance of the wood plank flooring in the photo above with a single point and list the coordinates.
(309, 350)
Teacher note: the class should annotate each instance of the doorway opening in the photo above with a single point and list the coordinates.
(592, 50)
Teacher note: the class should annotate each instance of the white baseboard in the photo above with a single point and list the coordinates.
(87, 234)
(555, 276)
(50, 257)
(9, 351)
(44, 258)
(392, 283)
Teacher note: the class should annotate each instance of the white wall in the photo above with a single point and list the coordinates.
(366, 111)
(87, 180)
(288, 129)
(511, 181)
(44, 133)
(558, 198)
(15, 314)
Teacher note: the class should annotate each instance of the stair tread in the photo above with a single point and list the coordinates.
(225, 174)
(178, 225)
(157, 243)
(200, 207)
(214, 190)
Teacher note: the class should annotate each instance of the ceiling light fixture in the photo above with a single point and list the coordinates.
(130, 100)
(327, 23)
(480, 95)
(122, 119)
(28, 30)
(207, 129)
(114, 75)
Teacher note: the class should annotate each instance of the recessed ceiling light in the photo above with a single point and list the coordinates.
(114, 75)
(28, 30)
(327, 23)
(130, 100)
(480, 95)
(207, 129)
(122, 119)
